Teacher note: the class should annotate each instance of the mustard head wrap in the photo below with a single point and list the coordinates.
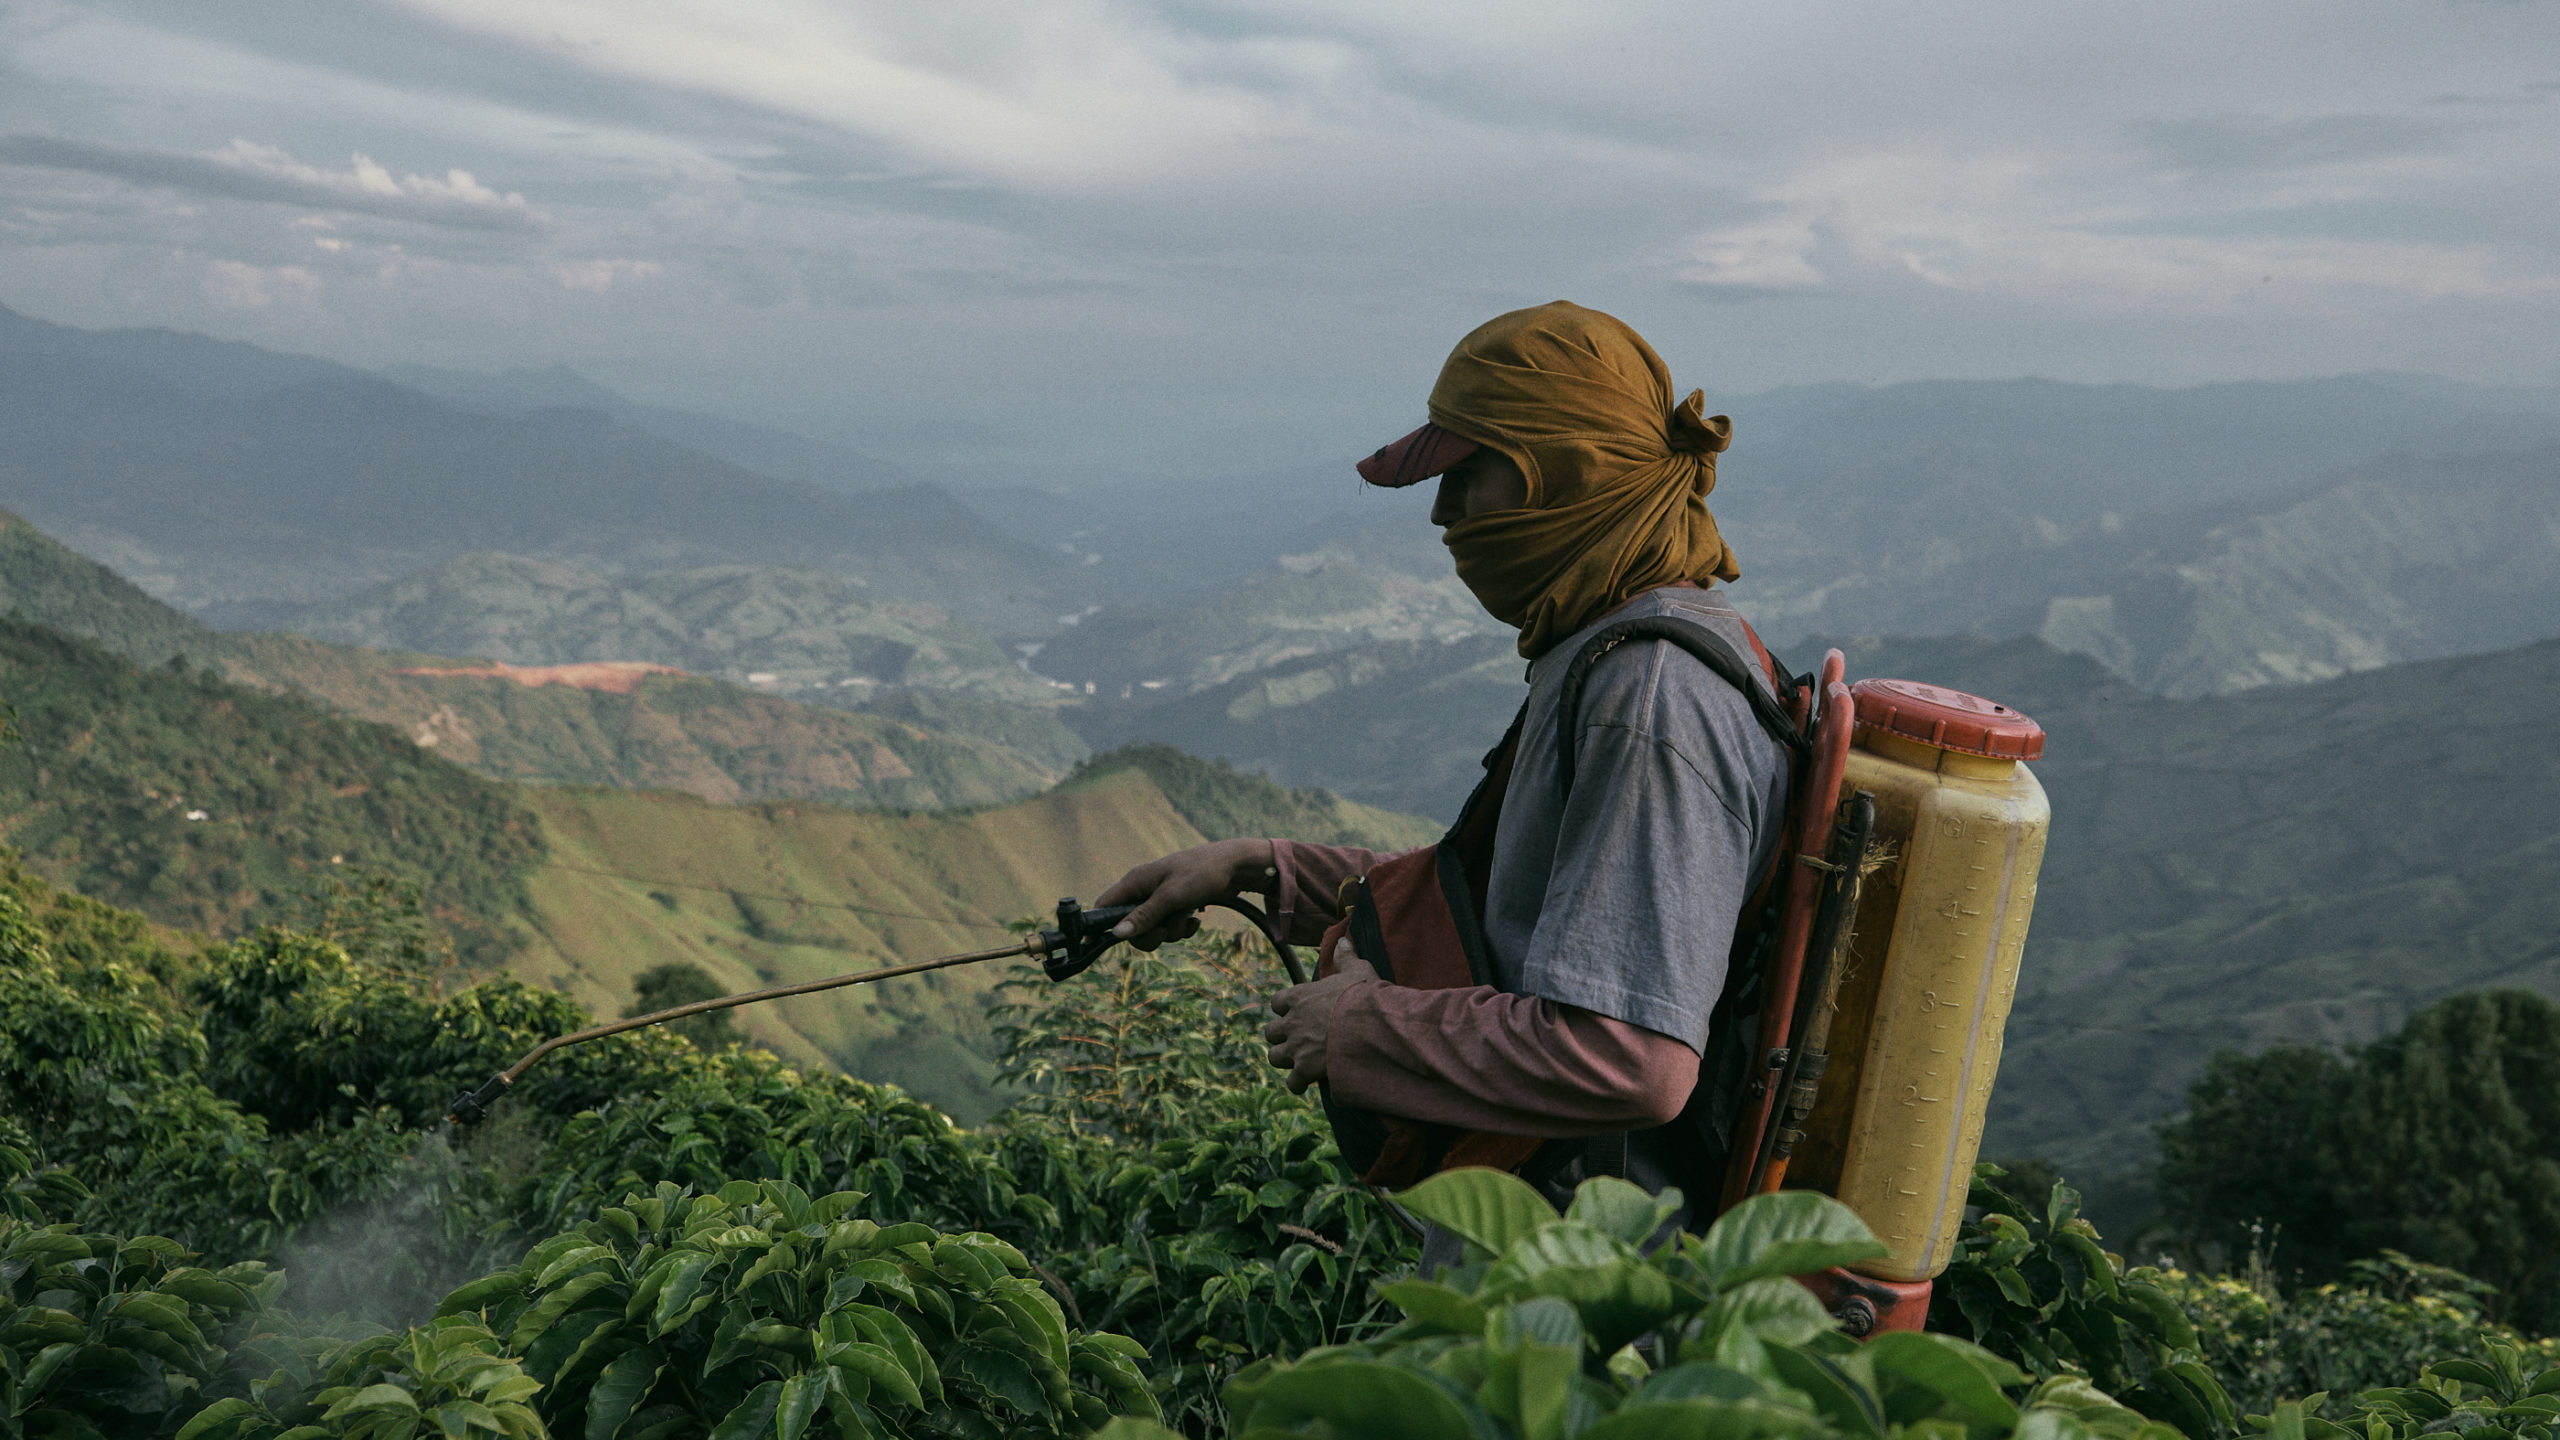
(1618, 472)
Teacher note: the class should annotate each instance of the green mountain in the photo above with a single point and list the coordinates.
(755, 447)
(243, 485)
(675, 732)
(1976, 504)
(1222, 803)
(720, 742)
(2311, 862)
(792, 631)
(2404, 560)
(210, 806)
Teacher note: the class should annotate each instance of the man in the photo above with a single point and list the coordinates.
(1572, 495)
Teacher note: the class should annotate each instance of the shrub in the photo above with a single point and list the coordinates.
(757, 1311)
(102, 1336)
(2034, 1286)
(2442, 1141)
(681, 982)
(1562, 1325)
(2508, 1392)
(2393, 1318)
(1139, 1044)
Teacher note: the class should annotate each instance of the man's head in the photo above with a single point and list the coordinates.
(1571, 478)
(1482, 483)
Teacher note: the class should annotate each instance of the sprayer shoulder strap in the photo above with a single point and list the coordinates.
(1711, 651)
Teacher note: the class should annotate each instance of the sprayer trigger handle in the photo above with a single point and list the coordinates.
(1080, 937)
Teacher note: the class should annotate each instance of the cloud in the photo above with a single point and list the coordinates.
(244, 170)
(2048, 228)
(1765, 255)
(1046, 96)
(2265, 143)
(597, 276)
(231, 285)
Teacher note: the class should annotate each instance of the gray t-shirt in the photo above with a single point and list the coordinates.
(1621, 898)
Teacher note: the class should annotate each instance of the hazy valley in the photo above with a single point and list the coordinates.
(792, 720)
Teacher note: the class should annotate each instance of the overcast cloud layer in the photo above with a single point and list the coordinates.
(975, 231)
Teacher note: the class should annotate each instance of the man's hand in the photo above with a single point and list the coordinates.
(1170, 891)
(1301, 1027)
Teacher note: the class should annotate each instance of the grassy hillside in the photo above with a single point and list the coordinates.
(717, 741)
(776, 893)
(44, 581)
(674, 732)
(1221, 803)
(771, 894)
(2311, 863)
(210, 806)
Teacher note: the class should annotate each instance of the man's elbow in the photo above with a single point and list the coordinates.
(1657, 1094)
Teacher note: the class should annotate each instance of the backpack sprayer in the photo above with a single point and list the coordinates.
(1067, 949)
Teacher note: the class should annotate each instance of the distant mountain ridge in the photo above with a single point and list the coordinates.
(241, 484)
(767, 451)
(800, 629)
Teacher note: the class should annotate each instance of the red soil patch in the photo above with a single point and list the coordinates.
(615, 677)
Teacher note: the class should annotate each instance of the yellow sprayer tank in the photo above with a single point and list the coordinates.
(1960, 825)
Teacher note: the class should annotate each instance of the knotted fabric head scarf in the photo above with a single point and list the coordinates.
(1618, 472)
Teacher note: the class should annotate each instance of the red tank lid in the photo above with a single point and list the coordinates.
(1945, 719)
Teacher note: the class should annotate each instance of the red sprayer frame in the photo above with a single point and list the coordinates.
(1863, 1303)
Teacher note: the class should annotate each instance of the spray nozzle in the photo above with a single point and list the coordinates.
(1080, 937)
(472, 1106)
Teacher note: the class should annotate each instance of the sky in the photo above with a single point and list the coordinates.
(999, 235)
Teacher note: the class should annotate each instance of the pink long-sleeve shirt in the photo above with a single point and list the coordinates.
(1476, 1058)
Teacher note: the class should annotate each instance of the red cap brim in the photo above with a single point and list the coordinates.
(1416, 458)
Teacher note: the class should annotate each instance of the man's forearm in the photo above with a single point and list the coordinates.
(1480, 1059)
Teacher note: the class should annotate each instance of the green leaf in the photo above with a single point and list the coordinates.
(1036, 1318)
(1529, 1380)
(483, 1292)
(1707, 1420)
(879, 1367)
(1835, 1396)
(1699, 1380)
(1361, 1398)
(753, 1415)
(1006, 1378)
(620, 1389)
(373, 1397)
(1438, 1306)
(1793, 1232)
(1615, 1207)
(675, 1298)
(554, 1306)
(802, 1394)
(1776, 1309)
(1491, 1209)
(1925, 1376)
(1617, 1294)
(216, 1419)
